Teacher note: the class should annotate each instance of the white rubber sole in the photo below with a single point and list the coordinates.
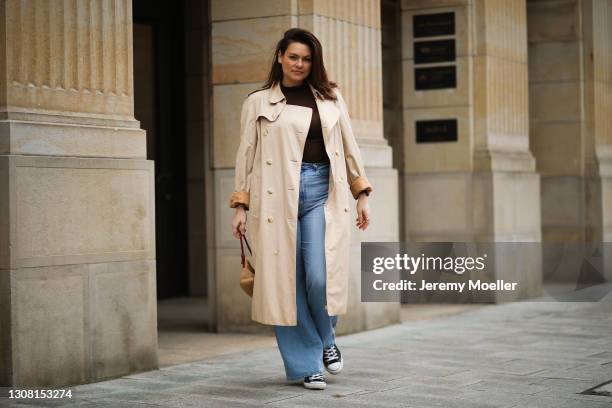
(315, 386)
(334, 372)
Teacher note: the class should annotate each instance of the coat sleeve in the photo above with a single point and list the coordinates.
(245, 155)
(355, 172)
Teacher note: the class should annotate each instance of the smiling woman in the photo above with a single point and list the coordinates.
(296, 63)
(296, 165)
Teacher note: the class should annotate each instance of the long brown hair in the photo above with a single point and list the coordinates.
(318, 75)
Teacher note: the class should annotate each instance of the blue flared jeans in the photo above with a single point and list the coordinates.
(301, 346)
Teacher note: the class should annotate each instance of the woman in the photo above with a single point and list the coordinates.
(296, 162)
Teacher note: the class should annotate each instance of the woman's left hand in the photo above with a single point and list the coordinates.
(363, 212)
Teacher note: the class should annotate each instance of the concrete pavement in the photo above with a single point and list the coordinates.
(528, 354)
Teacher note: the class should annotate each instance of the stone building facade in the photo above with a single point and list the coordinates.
(117, 153)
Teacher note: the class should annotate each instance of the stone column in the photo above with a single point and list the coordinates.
(77, 233)
(570, 65)
(244, 39)
(482, 186)
(600, 67)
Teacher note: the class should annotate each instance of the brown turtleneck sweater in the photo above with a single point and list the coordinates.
(314, 150)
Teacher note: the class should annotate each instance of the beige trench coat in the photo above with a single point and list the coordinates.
(267, 182)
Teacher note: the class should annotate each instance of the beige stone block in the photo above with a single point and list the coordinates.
(227, 104)
(59, 139)
(437, 97)
(438, 203)
(49, 332)
(124, 318)
(236, 9)
(553, 20)
(67, 210)
(554, 61)
(562, 202)
(463, 46)
(516, 207)
(244, 52)
(559, 101)
(438, 157)
(557, 148)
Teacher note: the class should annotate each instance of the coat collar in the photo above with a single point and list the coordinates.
(276, 94)
(328, 112)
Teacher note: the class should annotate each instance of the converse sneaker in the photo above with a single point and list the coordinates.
(332, 359)
(315, 382)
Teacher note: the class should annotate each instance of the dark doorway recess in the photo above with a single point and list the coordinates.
(159, 104)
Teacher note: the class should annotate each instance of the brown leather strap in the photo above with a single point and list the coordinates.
(242, 256)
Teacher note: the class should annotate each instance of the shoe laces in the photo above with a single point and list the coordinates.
(331, 353)
(316, 377)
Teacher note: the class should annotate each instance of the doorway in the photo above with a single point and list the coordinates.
(170, 82)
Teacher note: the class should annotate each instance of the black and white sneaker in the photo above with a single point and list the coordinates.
(315, 382)
(332, 359)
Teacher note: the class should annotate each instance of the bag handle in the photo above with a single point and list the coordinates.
(242, 256)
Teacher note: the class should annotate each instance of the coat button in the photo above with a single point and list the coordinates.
(276, 252)
(270, 219)
(270, 191)
(341, 178)
(266, 132)
(345, 209)
(269, 161)
(337, 154)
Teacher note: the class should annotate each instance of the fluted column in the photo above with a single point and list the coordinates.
(69, 62)
(77, 232)
(470, 175)
(570, 62)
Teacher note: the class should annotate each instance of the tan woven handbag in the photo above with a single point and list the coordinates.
(247, 274)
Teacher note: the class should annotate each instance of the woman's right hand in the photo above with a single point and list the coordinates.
(239, 222)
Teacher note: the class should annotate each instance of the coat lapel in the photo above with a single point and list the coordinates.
(328, 112)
